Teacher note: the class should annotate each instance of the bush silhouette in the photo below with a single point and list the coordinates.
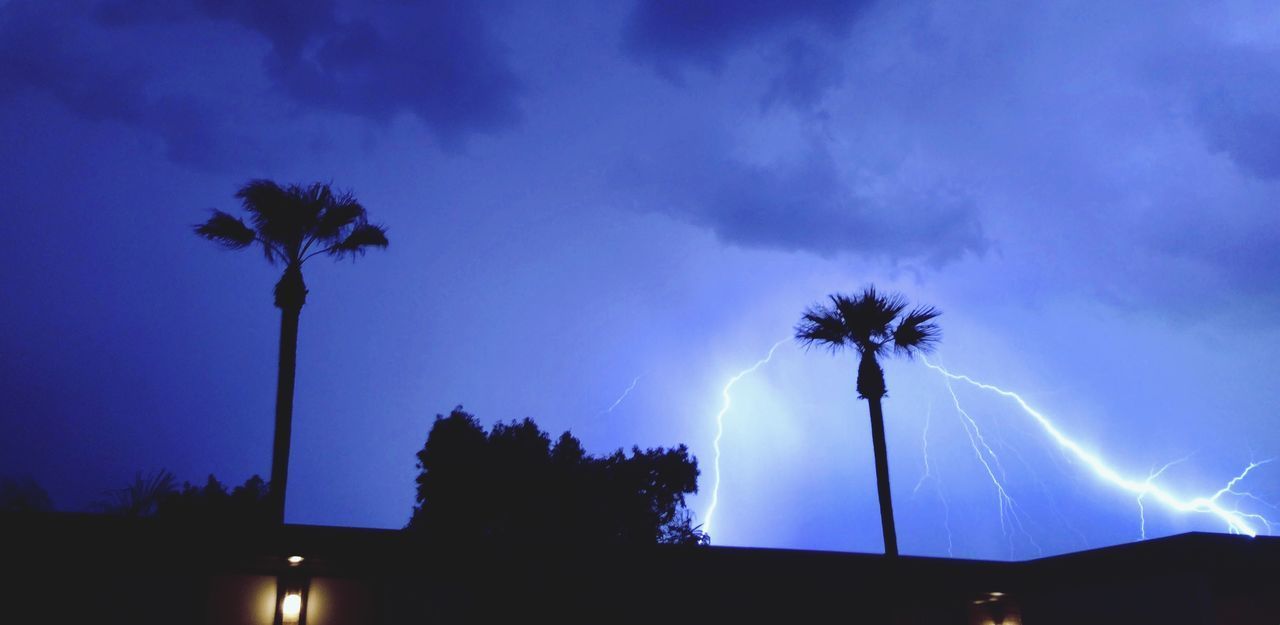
(247, 504)
(512, 485)
(157, 495)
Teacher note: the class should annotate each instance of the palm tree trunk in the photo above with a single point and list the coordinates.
(290, 296)
(882, 477)
(284, 409)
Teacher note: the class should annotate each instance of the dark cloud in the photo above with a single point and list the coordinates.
(40, 51)
(1243, 121)
(36, 53)
(288, 26)
(672, 33)
(435, 61)
(796, 42)
(201, 134)
(1232, 95)
(1222, 245)
(807, 73)
(808, 205)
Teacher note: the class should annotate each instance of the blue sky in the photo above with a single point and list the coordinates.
(581, 193)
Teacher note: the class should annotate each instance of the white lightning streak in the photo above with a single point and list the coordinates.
(724, 408)
(1237, 522)
(1003, 500)
(937, 481)
(621, 397)
(1142, 510)
(924, 449)
(1053, 501)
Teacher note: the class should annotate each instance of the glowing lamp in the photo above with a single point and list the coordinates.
(295, 560)
(291, 607)
(291, 600)
(997, 614)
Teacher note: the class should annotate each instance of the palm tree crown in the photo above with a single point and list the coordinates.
(865, 322)
(293, 224)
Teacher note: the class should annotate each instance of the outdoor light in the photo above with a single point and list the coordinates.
(295, 560)
(291, 599)
(291, 607)
(993, 609)
(997, 614)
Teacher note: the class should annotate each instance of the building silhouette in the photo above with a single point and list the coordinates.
(87, 569)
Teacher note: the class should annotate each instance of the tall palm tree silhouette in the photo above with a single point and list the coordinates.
(865, 322)
(292, 224)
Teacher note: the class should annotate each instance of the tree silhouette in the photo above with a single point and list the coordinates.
(157, 495)
(213, 504)
(139, 499)
(865, 322)
(513, 486)
(292, 224)
(23, 495)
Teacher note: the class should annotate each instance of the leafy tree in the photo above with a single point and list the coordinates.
(24, 495)
(157, 495)
(292, 224)
(866, 323)
(247, 504)
(512, 485)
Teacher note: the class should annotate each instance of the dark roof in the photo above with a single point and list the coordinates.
(1162, 579)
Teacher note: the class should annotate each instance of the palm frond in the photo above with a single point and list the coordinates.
(279, 214)
(869, 315)
(865, 321)
(312, 202)
(823, 326)
(315, 198)
(295, 222)
(225, 230)
(341, 212)
(360, 239)
(141, 498)
(264, 200)
(917, 332)
(889, 304)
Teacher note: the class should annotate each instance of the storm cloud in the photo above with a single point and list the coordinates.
(808, 203)
(432, 61)
(670, 34)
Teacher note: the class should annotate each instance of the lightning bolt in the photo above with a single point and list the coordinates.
(1006, 505)
(1053, 500)
(727, 401)
(1230, 489)
(1142, 510)
(937, 481)
(1236, 521)
(621, 397)
(924, 449)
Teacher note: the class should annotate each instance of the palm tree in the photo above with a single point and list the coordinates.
(865, 322)
(292, 224)
(141, 498)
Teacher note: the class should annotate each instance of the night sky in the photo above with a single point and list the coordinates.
(580, 193)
